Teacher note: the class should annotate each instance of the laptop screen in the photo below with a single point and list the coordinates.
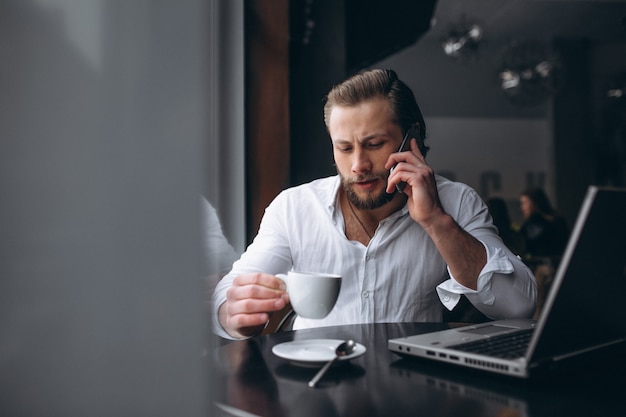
(584, 307)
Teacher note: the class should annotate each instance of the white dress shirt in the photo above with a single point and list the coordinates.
(399, 277)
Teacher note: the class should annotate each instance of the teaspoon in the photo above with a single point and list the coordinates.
(344, 349)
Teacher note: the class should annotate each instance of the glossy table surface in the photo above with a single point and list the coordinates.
(251, 380)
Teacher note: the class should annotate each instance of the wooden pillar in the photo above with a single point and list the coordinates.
(267, 105)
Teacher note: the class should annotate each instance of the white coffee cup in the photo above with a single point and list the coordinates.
(312, 294)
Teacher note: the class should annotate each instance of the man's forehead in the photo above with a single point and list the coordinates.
(367, 112)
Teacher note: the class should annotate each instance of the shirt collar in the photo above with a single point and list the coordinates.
(332, 197)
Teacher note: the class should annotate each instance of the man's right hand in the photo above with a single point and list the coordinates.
(249, 303)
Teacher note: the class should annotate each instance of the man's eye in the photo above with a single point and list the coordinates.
(375, 145)
(345, 149)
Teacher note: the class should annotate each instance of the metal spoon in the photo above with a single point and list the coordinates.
(343, 349)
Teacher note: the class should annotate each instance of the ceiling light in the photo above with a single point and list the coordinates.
(462, 41)
(530, 73)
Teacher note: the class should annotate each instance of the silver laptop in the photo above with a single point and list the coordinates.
(583, 310)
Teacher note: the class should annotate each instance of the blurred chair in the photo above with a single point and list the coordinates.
(544, 270)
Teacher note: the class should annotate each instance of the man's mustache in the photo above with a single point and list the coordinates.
(364, 178)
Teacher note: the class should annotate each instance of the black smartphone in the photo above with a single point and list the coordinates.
(405, 146)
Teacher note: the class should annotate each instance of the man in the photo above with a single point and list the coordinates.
(400, 253)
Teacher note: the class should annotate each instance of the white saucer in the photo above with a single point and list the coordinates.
(314, 352)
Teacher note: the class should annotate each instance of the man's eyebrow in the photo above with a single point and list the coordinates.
(341, 142)
(376, 136)
(368, 138)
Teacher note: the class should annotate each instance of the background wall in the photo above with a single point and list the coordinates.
(498, 158)
(476, 135)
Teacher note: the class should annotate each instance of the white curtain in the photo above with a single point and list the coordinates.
(226, 153)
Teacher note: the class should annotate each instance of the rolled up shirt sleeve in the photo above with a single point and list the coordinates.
(506, 287)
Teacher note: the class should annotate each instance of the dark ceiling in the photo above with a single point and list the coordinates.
(602, 20)
(599, 24)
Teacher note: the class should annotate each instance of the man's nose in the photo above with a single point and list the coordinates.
(361, 162)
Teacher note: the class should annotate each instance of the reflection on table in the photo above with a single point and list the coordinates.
(250, 378)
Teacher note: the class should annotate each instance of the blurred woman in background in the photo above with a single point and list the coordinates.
(545, 235)
(544, 231)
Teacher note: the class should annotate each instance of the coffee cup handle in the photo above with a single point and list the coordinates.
(285, 279)
(289, 314)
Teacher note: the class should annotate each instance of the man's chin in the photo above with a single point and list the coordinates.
(371, 201)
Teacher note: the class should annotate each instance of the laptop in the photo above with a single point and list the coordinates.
(583, 310)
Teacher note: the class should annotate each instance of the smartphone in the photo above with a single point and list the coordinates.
(411, 133)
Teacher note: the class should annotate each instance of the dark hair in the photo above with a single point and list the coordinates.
(378, 83)
(540, 200)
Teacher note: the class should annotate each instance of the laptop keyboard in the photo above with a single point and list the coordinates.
(507, 346)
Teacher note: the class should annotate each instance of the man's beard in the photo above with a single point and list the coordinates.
(372, 200)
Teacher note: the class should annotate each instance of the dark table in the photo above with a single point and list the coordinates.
(250, 378)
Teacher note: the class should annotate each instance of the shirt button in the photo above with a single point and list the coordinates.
(366, 294)
(367, 257)
(446, 298)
